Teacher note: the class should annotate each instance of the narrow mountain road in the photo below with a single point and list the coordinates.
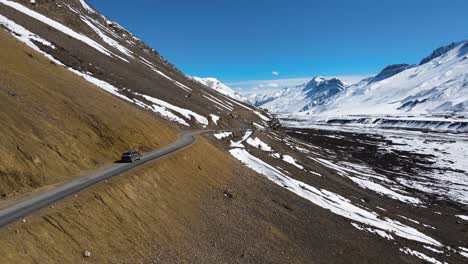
(36, 202)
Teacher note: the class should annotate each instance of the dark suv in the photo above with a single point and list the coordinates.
(131, 156)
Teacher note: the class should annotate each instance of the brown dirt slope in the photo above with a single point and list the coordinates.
(55, 124)
(196, 206)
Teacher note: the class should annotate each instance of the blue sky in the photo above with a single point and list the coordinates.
(243, 41)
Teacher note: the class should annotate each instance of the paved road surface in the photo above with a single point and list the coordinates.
(36, 202)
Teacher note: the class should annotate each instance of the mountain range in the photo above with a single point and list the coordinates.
(438, 85)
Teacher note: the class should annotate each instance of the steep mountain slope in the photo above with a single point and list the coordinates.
(304, 97)
(220, 87)
(75, 36)
(56, 125)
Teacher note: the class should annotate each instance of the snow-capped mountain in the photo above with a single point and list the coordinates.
(437, 85)
(259, 99)
(220, 87)
(303, 97)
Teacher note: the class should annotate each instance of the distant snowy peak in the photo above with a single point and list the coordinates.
(259, 99)
(303, 97)
(320, 90)
(437, 86)
(319, 86)
(220, 87)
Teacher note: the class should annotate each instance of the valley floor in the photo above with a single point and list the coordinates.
(430, 163)
(418, 178)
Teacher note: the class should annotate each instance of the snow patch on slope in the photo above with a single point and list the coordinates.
(368, 179)
(374, 231)
(262, 116)
(111, 42)
(292, 161)
(64, 29)
(215, 118)
(226, 105)
(258, 143)
(27, 37)
(155, 69)
(420, 255)
(464, 252)
(464, 217)
(188, 114)
(331, 201)
(238, 144)
(222, 135)
(88, 8)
